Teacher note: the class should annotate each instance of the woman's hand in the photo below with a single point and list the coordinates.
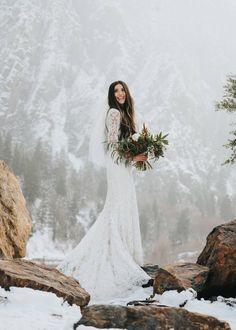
(140, 157)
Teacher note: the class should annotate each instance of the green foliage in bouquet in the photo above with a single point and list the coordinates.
(153, 145)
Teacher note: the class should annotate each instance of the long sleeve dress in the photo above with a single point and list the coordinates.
(108, 258)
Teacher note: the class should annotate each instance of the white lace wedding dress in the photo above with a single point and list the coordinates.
(108, 258)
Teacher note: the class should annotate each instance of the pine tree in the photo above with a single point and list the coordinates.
(31, 182)
(60, 174)
(228, 103)
(43, 215)
(60, 223)
(73, 209)
(183, 226)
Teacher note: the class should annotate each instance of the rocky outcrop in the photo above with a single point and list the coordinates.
(147, 318)
(219, 255)
(15, 221)
(177, 277)
(24, 273)
(214, 273)
(151, 270)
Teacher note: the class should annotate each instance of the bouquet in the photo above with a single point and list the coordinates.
(153, 145)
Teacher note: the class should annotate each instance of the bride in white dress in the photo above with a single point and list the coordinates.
(108, 258)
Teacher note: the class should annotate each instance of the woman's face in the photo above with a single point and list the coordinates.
(119, 93)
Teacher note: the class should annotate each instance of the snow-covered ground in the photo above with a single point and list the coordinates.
(29, 309)
(41, 246)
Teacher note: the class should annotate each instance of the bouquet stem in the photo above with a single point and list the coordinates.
(142, 165)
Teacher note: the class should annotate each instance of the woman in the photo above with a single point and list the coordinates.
(108, 258)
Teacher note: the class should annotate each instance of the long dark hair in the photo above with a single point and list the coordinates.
(127, 112)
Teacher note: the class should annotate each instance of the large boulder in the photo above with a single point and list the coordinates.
(23, 273)
(219, 255)
(15, 221)
(151, 269)
(177, 277)
(147, 318)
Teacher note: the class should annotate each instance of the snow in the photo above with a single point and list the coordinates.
(45, 311)
(218, 309)
(41, 246)
(29, 309)
(183, 256)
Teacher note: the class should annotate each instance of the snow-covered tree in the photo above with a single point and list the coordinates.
(228, 103)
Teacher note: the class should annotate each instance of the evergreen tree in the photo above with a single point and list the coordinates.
(60, 224)
(43, 155)
(43, 215)
(228, 103)
(60, 173)
(31, 181)
(183, 226)
(73, 209)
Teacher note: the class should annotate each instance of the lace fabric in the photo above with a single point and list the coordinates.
(113, 125)
(108, 258)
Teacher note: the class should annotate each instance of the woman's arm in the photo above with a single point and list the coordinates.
(113, 125)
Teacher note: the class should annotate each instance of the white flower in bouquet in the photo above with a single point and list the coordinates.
(135, 136)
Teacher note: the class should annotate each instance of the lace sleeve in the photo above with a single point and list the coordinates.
(113, 125)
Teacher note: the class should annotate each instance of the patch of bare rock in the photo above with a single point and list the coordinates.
(26, 274)
(219, 255)
(147, 318)
(15, 220)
